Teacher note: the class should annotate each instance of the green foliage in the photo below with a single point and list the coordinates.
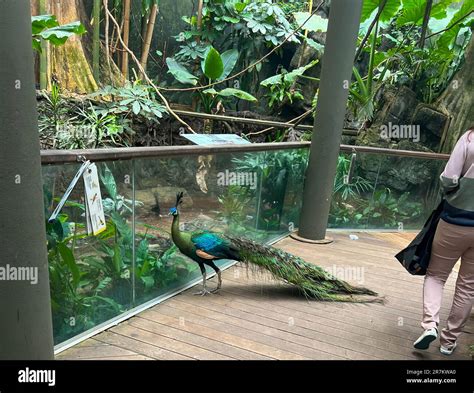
(46, 27)
(274, 170)
(234, 203)
(390, 10)
(214, 67)
(345, 190)
(180, 73)
(91, 278)
(133, 98)
(357, 204)
(311, 22)
(283, 87)
(213, 64)
(247, 28)
(427, 70)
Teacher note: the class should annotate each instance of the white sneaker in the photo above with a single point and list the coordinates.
(426, 338)
(447, 351)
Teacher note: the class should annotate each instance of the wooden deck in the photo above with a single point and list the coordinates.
(257, 318)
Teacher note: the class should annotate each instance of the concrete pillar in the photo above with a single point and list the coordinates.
(337, 63)
(25, 307)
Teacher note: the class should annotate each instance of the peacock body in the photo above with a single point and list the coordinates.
(207, 247)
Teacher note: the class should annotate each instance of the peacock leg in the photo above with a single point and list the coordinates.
(219, 281)
(204, 291)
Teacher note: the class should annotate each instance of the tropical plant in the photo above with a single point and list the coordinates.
(133, 98)
(346, 188)
(283, 86)
(215, 67)
(47, 27)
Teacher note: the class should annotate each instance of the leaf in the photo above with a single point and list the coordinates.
(315, 45)
(180, 73)
(289, 76)
(41, 22)
(229, 58)
(58, 35)
(148, 281)
(117, 259)
(70, 261)
(239, 7)
(210, 91)
(108, 180)
(37, 45)
(414, 11)
(213, 66)
(315, 22)
(230, 92)
(389, 11)
(136, 108)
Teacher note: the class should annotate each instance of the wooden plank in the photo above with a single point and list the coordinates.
(153, 320)
(94, 352)
(143, 348)
(163, 339)
(388, 311)
(198, 337)
(394, 348)
(261, 321)
(258, 333)
(314, 311)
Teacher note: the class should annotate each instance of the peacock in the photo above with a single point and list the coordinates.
(207, 247)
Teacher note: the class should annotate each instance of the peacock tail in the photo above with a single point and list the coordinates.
(313, 281)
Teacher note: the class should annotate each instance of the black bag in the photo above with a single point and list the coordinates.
(416, 257)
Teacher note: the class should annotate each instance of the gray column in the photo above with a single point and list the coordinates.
(25, 308)
(336, 73)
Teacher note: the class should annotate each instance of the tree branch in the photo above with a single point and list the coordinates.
(143, 72)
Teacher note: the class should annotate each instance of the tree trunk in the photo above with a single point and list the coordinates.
(457, 101)
(72, 64)
(149, 36)
(69, 65)
(43, 57)
(426, 19)
(96, 41)
(125, 36)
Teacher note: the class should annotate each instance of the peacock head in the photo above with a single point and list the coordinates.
(179, 200)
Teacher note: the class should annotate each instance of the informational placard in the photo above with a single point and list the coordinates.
(215, 139)
(94, 209)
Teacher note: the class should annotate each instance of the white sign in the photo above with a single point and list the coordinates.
(94, 209)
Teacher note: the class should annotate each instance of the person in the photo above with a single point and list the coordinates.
(454, 240)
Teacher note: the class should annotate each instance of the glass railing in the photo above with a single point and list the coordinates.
(97, 279)
(384, 192)
(253, 191)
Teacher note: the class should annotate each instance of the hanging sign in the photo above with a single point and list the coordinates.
(93, 201)
(95, 216)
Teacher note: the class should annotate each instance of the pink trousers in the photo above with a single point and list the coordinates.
(451, 242)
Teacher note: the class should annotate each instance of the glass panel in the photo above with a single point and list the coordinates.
(90, 276)
(384, 192)
(405, 191)
(254, 195)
